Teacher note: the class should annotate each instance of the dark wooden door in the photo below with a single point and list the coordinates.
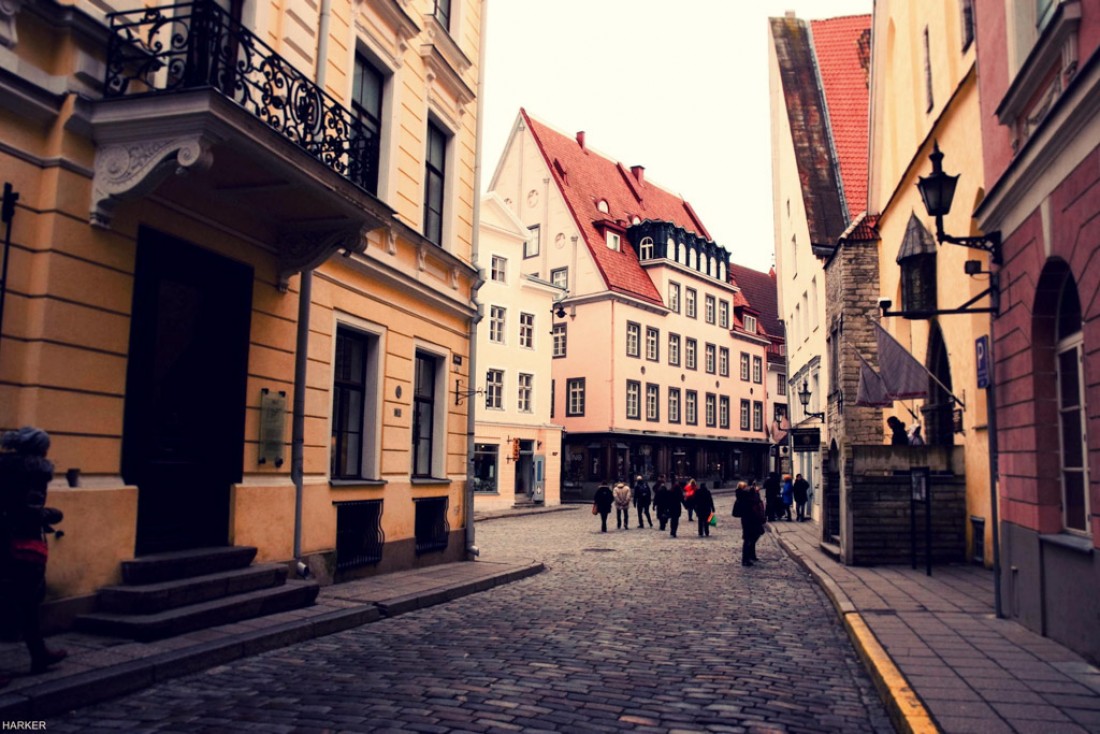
(183, 431)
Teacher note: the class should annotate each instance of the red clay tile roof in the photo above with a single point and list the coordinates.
(760, 290)
(842, 47)
(585, 177)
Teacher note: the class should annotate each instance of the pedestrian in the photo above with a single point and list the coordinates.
(674, 502)
(898, 436)
(772, 496)
(801, 491)
(25, 474)
(704, 507)
(601, 505)
(915, 438)
(643, 496)
(622, 494)
(660, 501)
(689, 496)
(787, 495)
(748, 506)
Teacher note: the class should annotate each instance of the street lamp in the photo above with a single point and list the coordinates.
(804, 398)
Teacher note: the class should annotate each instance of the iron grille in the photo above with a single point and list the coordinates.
(198, 45)
(359, 536)
(432, 529)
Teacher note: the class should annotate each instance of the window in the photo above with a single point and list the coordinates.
(494, 389)
(560, 277)
(929, 103)
(708, 309)
(691, 404)
(527, 330)
(614, 242)
(553, 396)
(532, 243)
(674, 350)
(1071, 414)
(710, 410)
(745, 366)
(574, 396)
(434, 178)
(757, 370)
(781, 383)
(744, 415)
(633, 399)
(354, 405)
(750, 324)
(757, 415)
(486, 461)
(430, 524)
(689, 353)
(633, 339)
(443, 13)
(674, 297)
(559, 340)
(652, 344)
(645, 249)
(709, 359)
(526, 385)
(674, 405)
(366, 103)
(496, 324)
(652, 402)
(724, 314)
(424, 415)
(499, 269)
(724, 411)
(1043, 11)
(603, 207)
(723, 361)
(689, 302)
(359, 537)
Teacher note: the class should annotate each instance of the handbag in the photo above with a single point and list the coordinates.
(712, 520)
(594, 510)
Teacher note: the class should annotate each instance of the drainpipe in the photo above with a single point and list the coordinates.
(301, 347)
(471, 424)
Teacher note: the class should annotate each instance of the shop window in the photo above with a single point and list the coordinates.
(486, 467)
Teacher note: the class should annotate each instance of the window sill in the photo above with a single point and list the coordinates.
(422, 481)
(1075, 543)
(352, 483)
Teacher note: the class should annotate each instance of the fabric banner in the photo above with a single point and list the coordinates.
(904, 377)
(872, 390)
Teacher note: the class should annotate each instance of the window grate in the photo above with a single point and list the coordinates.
(432, 529)
(359, 535)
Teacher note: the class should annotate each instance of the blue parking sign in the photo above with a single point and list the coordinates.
(981, 347)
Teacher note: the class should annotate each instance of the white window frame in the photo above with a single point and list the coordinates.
(1073, 343)
(708, 309)
(575, 396)
(494, 389)
(723, 362)
(498, 321)
(633, 339)
(533, 244)
(674, 296)
(674, 405)
(560, 277)
(499, 269)
(652, 343)
(527, 330)
(674, 349)
(645, 249)
(525, 391)
(614, 241)
(560, 333)
(750, 324)
(652, 402)
(633, 400)
(724, 314)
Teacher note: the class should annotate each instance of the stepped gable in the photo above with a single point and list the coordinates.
(585, 177)
(762, 295)
(842, 47)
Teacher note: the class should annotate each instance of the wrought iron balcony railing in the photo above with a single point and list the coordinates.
(197, 45)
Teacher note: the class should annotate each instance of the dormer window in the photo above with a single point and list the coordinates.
(750, 324)
(614, 242)
(603, 207)
(693, 259)
(645, 248)
(635, 220)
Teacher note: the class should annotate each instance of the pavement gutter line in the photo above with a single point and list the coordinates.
(906, 711)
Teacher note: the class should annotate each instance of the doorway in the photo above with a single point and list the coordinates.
(183, 426)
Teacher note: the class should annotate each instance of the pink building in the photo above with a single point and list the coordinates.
(1039, 86)
(659, 360)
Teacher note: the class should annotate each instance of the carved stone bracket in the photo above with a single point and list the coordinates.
(129, 170)
(305, 250)
(8, 10)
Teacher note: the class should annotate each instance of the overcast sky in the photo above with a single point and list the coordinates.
(677, 86)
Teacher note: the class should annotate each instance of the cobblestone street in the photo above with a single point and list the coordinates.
(629, 630)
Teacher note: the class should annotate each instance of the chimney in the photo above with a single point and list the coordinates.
(639, 173)
(580, 139)
(791, 15)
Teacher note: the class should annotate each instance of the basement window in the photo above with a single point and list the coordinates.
(432, 529)
(359, 536)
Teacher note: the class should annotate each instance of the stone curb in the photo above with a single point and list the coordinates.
(62, 695)
(504, 515)
(906, 711)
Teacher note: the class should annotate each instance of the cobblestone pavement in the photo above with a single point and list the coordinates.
(629, 630)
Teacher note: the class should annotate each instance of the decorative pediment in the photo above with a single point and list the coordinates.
(446, 64)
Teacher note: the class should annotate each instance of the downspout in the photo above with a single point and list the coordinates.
(301, 346)
(471, 425)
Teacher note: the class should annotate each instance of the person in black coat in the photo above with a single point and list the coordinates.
(25, 473)
(602, 501)
(660, 501)
(747, 505)
(704, 506)
(674, 504)
(773, 496)
(801, 491)
(898, 434)
(643, 496)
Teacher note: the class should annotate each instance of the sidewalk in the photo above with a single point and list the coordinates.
(940, 658)
(99, 668)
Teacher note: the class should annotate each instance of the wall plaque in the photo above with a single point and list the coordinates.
(272, 426)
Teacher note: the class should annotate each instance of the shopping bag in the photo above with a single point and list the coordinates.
(712, 520)
(594, 510)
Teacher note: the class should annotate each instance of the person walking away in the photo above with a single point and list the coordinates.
(643, 497)
(772, 496)
(660, 501)
(622, 494)
(748, 506)
(602, 501)
(801, 491)
(25, 474)
(898, 436)
(704, 506)
(787, 495)
(689, 496)
(673, 504)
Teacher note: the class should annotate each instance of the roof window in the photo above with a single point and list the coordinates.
(603, 207)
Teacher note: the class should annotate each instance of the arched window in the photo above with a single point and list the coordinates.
(645, 249)
(1071, 413)
(602, 206)
(693, 259)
